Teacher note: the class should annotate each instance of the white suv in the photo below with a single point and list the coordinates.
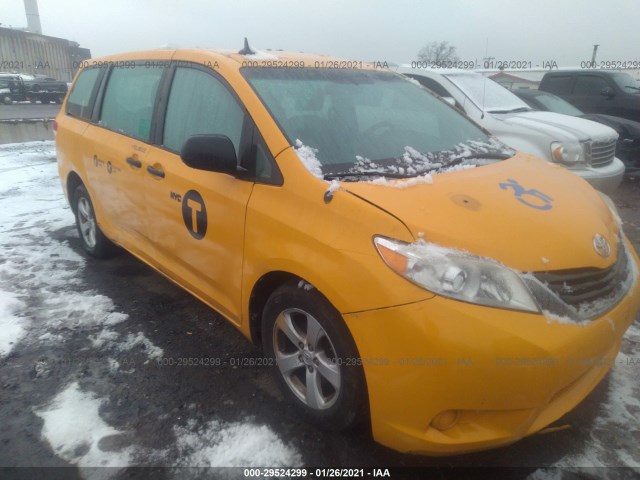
(586, 148)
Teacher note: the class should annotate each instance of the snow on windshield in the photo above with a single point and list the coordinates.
(412, 162)
(485, 93)
(308, 157)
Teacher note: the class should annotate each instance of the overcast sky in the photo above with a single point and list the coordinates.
(536, 30)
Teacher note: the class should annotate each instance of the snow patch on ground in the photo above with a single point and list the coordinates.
(618, 413)
(43, 298)
(12, 328)
(139, 341)
(217, 444)
(38, 268)
(73, 427)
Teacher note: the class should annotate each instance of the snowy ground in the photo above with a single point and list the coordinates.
(89, 372)
(44, 304)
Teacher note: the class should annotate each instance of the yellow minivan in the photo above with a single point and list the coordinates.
(397, 263)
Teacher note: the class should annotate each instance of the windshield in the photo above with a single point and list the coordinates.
(558, 105)
(626, 82)
(488, 95)
(362, 121)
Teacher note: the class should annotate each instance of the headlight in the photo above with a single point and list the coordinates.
(456, 274)
(569, 154)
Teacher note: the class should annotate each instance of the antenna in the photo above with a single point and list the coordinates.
(593, 57)
(246, 50)
(484, 84)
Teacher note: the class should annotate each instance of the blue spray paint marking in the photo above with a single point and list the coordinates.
(531, 198)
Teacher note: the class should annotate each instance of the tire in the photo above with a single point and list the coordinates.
(93, 240)
(327, 359)
(7, 100)
(59, 99)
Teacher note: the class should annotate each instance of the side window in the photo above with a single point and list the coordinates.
(432, 85)
(200, 104)
(560, 85)
(129, 100)
(79, 103)
(589, 85)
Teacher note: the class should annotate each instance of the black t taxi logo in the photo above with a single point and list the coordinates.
(194, 214)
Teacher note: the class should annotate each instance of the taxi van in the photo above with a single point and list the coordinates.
(399, 265)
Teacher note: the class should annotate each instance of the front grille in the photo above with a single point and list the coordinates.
(590, 289)
(602, 153)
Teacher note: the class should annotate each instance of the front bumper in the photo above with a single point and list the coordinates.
(487, 377)
(606, 179)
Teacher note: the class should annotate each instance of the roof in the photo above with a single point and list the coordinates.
(511, 77)
(233, 59)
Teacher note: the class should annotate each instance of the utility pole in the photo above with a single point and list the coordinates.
(593, 57)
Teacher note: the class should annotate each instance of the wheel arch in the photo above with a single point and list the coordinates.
(260, 293)
(73, 181)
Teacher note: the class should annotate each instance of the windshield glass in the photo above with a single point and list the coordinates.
(488, 95)
(626, 82)
(558, 105)
(364, 121)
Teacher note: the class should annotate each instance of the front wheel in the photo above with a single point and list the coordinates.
(316, 359)
(93, 240)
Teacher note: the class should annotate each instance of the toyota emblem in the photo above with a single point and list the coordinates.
(601, 245)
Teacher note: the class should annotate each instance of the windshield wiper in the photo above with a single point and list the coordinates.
(368, 173)
(443, 165)
(632, 87)
(488, 156)
(513, 110)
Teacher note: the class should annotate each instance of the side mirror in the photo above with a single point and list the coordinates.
(213, 153)
(450, 100)
(607, 92)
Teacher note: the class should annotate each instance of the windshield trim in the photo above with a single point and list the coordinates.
(487, 108)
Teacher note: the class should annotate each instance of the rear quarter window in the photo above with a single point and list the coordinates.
(81, 97)
(560, 85)
(589, 85)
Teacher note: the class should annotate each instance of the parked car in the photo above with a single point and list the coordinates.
(607, 92)
(22, 87)
(628, 146)
(397, 263)
(584, 147)
(5, 90)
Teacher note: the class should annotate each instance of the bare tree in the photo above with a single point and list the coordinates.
(438, 52)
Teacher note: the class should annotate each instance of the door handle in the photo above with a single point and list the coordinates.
(155, 172)
(133, 162)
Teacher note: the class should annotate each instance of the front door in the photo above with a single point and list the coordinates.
(196, 218)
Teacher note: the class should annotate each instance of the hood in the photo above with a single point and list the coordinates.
(631, 128)
(494, 211)
(558, 125)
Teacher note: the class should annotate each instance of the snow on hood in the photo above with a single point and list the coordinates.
(477, 210)
(559, 125)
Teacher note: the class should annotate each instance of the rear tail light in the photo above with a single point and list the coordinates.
(55, 125)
